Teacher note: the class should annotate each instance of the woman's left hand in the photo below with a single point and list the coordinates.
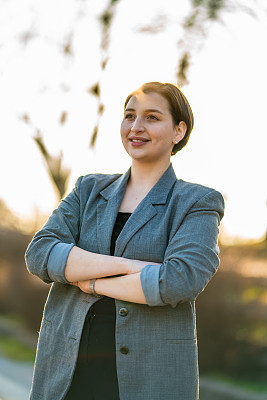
(83, 285)
(124, 287)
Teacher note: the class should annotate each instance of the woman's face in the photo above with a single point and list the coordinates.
(147, 130)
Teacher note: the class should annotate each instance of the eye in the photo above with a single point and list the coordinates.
(152, 117)
(129, 116)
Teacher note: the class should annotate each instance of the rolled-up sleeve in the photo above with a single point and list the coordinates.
(57, 261)
(150, 278)
(47, 254)
(191, 257)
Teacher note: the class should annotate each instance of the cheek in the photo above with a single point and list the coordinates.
(124, 134)
(165, 137)
(124, 129)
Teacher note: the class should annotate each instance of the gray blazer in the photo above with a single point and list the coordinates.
(176, 225)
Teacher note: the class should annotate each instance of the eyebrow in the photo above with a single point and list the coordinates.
(148, 110)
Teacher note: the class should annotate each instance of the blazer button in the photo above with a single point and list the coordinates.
(124, 350)
(123, 312)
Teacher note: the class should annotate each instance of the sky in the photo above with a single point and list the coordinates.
(227, 91)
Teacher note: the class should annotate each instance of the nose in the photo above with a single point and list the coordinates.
(138, 125)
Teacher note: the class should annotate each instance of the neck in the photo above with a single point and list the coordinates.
(147, 175)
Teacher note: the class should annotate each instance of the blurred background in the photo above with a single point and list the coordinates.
(65, 69)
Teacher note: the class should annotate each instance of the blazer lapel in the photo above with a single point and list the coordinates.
(137, 220)
(107, 211)
(146, 210)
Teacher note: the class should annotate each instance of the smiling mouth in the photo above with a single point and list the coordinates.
(139, 140)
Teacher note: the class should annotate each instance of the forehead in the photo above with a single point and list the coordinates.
(148, 101)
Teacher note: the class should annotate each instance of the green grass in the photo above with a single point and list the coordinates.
(15, 350)
(246, 384)
(254, 293)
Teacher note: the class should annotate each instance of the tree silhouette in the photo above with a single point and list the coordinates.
(202, 15)
(58, 174)
(105, 21)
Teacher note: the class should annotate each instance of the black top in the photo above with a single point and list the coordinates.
(96, 362)
(119, 224)
(106, 305)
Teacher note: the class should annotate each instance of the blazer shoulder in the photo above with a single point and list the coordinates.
(95, 182)
(195, 188)
(196, 194)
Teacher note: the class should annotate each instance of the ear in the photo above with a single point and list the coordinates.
(180, 131)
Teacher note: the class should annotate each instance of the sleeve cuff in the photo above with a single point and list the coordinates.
(57, 262)
(150, 276)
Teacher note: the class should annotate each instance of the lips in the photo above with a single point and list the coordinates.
(138, 140)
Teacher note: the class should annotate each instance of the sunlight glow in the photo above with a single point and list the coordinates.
(227, 92)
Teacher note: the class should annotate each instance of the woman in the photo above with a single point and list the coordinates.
(147, 240)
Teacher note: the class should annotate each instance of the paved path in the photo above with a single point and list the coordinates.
(15, 383)
(15, 379)
(213, 390)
